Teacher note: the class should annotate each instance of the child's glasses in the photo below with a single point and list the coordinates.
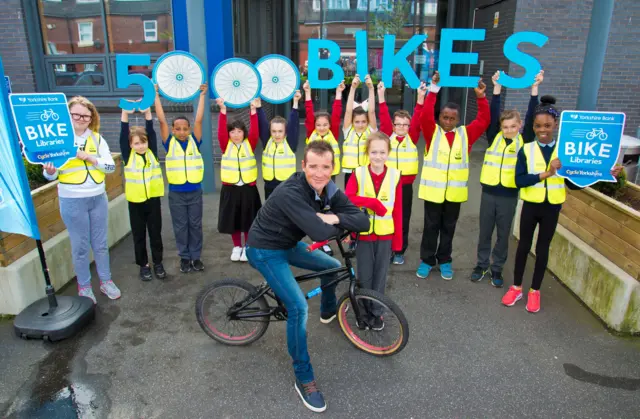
(80, 117)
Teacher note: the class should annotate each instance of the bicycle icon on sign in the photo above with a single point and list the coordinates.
(597, 132)
(46, 114)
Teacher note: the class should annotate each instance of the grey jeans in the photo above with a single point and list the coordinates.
(495, 212)
(87, 220)
(373, 264)
(186, 217)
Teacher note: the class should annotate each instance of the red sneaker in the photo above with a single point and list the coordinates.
(533, 301)
(513, 295)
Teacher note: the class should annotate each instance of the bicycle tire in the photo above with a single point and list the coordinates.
(383, 300)
(261, 323)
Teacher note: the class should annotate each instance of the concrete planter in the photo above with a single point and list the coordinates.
(21, 279)
(596, 253)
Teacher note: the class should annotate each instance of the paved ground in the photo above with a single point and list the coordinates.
(146, 357)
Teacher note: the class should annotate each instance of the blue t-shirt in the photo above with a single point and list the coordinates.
(186, 187)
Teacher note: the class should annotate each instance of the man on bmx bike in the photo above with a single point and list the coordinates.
(307, 204)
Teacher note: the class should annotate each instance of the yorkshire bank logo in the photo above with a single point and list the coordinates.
(573, 116)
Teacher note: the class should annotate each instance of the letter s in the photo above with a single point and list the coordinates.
(530, 64)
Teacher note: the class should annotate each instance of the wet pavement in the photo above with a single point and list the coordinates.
(145, 356)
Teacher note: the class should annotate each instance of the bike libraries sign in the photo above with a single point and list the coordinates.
(44, 127)
(588, 145)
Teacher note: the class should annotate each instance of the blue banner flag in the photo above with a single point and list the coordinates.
(588, 145)
(44, 126)
(17, 214)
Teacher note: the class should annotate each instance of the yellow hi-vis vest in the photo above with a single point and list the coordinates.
(238, 163)
(181, 166)
(354, 153)
(445, 171)
(278, 161)
(381, 226)
(334, 144)
(403, 155)
(552, 188)
(499, 167)
(143, 177)
(76, 171)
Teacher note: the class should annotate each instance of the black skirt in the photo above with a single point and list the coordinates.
(239, 206)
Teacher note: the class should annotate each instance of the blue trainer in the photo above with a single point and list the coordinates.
(423, 270)
(398, 259)
(496, 279)
(311, 396)
(446, 272)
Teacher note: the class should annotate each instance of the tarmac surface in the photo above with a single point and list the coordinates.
(468, 356)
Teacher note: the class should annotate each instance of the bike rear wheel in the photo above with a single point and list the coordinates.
(214, 303)
(386, 342)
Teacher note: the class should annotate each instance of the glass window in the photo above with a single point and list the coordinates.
(67, 29)
(150, 30)
(78, 74)
(139, 26)
(102, 28)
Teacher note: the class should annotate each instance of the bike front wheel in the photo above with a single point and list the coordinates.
(388, 340)
(214, 304)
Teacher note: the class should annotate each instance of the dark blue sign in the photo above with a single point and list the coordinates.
(588, 145)
(44, 127)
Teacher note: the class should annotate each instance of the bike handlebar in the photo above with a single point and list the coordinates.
(339, 238)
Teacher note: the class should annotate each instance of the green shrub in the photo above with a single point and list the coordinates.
(614, 190)
(34, 174)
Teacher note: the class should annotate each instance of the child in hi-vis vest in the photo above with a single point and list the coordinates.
(377, 188)
(499, 191)
(359, 121)
(239, 196)
(144, 186)
(185, 170)
(280, 141)
(404, 133)
(83, 200)
(543, 193)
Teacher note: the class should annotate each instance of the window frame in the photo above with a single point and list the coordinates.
(44, 64)
(145, 30)
(82, 43)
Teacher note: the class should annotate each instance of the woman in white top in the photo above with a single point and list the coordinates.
(83, 200)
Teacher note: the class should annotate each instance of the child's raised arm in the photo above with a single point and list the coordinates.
(293, 124)
(386, 125)
(197, 126)
(527, 133)
(223, 135)
(336, 111)
(348, 113)
(309, 119)
(162, 120)
(253, 123)
(373, 122)
(494, 126)
(151, 133)
(125, 149)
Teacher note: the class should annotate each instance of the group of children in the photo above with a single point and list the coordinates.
(380, 167)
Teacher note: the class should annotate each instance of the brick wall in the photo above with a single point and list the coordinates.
(14, 47)
(567, 26)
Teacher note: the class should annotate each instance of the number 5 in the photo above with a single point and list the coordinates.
(124, 80)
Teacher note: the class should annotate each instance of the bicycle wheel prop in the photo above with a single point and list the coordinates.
(236, 81)
(179, 75)
(390, 339)
(213, 308)
(280, 78)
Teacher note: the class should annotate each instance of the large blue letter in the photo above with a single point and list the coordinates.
(362, 55)
(448, 57)
(391, 61)
(530, 64)
(331, 63)
(124, 80)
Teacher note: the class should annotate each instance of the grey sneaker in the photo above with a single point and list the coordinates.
(110, 290)
(87, 292)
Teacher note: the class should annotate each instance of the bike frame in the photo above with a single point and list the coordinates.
(342, 273)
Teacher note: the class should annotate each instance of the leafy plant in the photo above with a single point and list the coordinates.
(390, 22)
(34, 174)
(613, 189)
